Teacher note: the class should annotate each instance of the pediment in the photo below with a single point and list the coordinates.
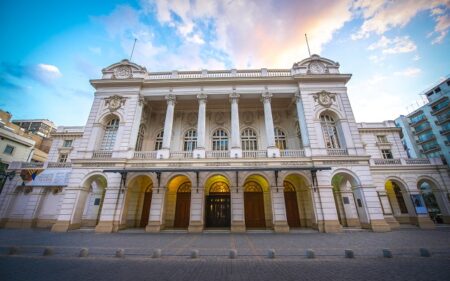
(316, 64)
(124, 70)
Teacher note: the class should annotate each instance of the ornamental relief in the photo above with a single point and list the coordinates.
(122, 72)
(324, 98)
(115, 102)
(191, 118)
(219, 118)
(248, 117)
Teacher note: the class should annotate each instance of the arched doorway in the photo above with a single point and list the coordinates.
(394, 191)
(217, 203)
(257, 205)
(433, 200)
(298, 202)
(177, 202)
(92, 196)
(348, 205)
(138, 201)
(183, 206)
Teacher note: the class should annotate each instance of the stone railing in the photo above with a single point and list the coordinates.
(145, 155)
(233, 73)
(254, 154)
(292, 153)
(181, 154)
(218, 154)
(59, 165)
(418, 161)
(405, 161)
(102, 154)
(387, 161)
(337, 152)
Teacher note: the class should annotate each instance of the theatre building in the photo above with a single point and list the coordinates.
(273, 149)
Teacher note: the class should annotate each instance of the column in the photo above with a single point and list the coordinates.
(272, 150)
(237, 209)
(199, 152)
(279, 209)
(235, 151)
(155, 219)
(196, 210)
(302, 124)
(164, 153)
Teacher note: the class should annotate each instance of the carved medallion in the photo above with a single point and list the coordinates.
(192, 118)
(114, 103)
(219, 118)
(122, 72)
(316, 68)
(247, 117)
(324, 98)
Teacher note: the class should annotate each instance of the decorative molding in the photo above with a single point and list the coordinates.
(170, 98)
(219, 118)
(202, 97)
(234, 97)
(248, 117)
(114, 102)
(324, 98)
(266, 97)
(123, 72)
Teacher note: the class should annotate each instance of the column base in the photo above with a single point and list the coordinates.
(108, 227)
(153, 226)
(237, 226)
(354, 223)
(195, 227)
(424, 222)
(329, 226)
(235, 153)
(273, 152)
(199, 153)
(64, 226)
(281, 227)
(393, 223)
(379, 226)
(163, 153)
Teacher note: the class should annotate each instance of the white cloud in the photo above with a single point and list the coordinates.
(394, 46)
(380, 16)
(409, 72)
(49, 71)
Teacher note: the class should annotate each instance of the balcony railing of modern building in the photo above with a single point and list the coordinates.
(442, 119)
(419, 121)
(422, 141)
(424, 129)
(444, 132)
(405, 161)
(433, 148)
(438, 110)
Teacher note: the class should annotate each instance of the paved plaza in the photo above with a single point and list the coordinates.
(213, 263)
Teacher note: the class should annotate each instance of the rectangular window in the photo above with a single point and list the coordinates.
(382, 139)
(62, 158)
(67, 143)
(387, 154)
(9, 149)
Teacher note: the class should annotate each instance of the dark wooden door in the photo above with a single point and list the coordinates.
(146, 209)
(254, 209)
(218, 211)
(292, 215)
(182, 210)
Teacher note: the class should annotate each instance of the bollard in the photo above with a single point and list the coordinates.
(13, 251)
(156, 253)
(271, 253)
(120, 253)
(387, 253)
(349, 254)
(424, 253)
(194, 254)
(48, 252)
(233, 254)
(310, 254)
(84, 252)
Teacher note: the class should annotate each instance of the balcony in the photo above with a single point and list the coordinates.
(181, 155)
(425, 140)
(254, 154)
(445, 132)
(144, 155)
(218, 154)
(442, 119)
(430, 149)
(439, 110)
(30, 165)
(294, 153)
(337, 152)
(405, 161)
(387, 161)
(424, 129)
(102, 155)
(418, 121)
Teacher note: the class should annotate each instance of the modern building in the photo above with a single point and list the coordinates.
(41, 127)
(233, 149)
(426, 130)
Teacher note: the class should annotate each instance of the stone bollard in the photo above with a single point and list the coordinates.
(233, 254)
(310, 254)
(156, 253)
(349, 254)
(120, 253)
(13, 251)
(194, 254)
(424, 253)
(48, 252)
(387, 253)
(84, 252)
(271, 253)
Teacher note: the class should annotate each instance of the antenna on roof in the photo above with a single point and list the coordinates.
(132, 51)
(307, 44)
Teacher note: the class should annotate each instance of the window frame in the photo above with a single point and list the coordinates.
(280, 138)
(190, 140)
(330, 131)
(249, 142)
(110, 135)
(13, 148)
(220, 140)
(159, 140)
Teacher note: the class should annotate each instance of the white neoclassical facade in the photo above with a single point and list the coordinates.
(230, 149)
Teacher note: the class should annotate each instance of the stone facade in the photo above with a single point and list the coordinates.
(232, 149)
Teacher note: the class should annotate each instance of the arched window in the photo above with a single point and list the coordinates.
(159, 140)
(109, 138)
(190, 140)
(140, 138)
(220, 140)
(280, 138)
(249, 139)
(329, 130)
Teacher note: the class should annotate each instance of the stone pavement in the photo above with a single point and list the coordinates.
(213, 262)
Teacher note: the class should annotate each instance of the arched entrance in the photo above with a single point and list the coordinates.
(217, 202)
(257, 202)
(434, 200)
(394, 191)
(92, 197)
(298, 202)
(348, 206)
(183, 206)
(177, 202)
(138, 201)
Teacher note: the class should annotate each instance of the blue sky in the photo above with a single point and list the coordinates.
(50, 49)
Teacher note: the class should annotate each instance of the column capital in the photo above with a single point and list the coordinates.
(266, 97)
(142, 101)
(297, 96)
(234, 96)
(170, 98)
(202, 97)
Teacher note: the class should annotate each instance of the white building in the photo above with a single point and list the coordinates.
(234, 149)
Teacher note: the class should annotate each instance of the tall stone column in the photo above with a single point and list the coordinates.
(302, 124)
(164, 153)
(272, 150)
(236, 150)
(199, 152)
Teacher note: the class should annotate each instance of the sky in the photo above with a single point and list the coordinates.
(50, 49)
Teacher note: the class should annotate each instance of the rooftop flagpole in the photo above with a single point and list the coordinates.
(132, 51)
(307, 44)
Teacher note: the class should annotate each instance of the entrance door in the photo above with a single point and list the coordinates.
(290, 200)
(254, 209)
(182, 210)
(218, 211)
(146, 209)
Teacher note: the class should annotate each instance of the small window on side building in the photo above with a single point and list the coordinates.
(9, 149)
(387, 154)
